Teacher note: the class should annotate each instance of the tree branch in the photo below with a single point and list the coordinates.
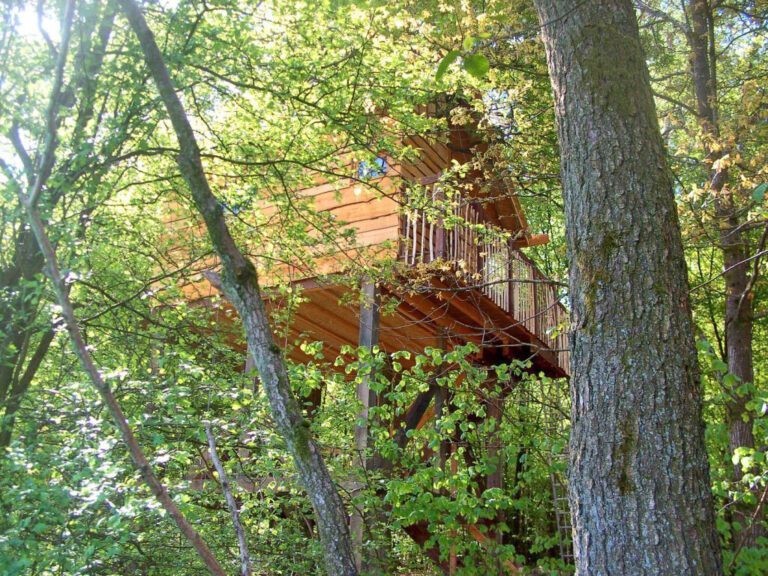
(242, 543)
(240, 282)
(29, 203)
(29, 169)
(46, 160)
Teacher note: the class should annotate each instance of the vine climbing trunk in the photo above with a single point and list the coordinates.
(639, 478)
(240, 284)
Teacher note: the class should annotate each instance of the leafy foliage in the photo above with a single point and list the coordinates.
(283, 94)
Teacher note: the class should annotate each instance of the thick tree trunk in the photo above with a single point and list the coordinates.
(19, 388)
(639, 485)
(240, 285)
(738, 301)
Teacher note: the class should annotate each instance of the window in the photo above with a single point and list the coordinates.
(368, 170)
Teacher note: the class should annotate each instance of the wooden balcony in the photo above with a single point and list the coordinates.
(473, 284)
(485, 260)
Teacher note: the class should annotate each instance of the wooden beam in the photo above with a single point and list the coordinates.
(368, 338)
(414, 415)
(532, 240)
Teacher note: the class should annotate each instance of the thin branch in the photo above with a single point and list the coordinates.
(676, 102)
(43, 33)
(46, 160)
(29, 203)
(81, 349)
(242, 543)
(29, 169)
(20, 387)
(758, 255)
(755, 271)
(663, 16)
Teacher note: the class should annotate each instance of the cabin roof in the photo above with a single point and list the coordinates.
(463, 144)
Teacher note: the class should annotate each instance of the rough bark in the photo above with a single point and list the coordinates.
(732, 244)
(639, 478)
(240, 284)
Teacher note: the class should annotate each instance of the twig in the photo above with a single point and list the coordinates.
(79, 345)
(755, 270)
(242, 543)
(46, 160)
(743, 539)
(758, 255)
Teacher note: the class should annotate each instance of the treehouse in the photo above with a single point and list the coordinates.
(455, 270)
(433, 258)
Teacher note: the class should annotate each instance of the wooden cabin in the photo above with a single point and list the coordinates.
(455, 272)
(458, 273)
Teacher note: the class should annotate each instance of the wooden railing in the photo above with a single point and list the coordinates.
(486, 259)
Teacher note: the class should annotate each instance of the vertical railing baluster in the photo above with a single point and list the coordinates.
(507, 277)
(431, 241)
(406, 243)
(422, 236)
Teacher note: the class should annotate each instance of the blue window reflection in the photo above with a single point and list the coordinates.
(368, 170)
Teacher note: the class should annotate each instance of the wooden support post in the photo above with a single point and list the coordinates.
(441, 410)
(495, 412)
(447, 449)
(453, 559)
(442, 407)
(439, 196)
(368, 338)
(496, 457)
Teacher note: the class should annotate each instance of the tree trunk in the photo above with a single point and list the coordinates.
(738, 301)
(240, 284)
(639, 485)
(19, 305)
(29, 200)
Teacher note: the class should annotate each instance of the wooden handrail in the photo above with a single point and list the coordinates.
(489, 261)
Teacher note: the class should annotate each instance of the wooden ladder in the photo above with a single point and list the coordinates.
(558, 464)
(562, 514)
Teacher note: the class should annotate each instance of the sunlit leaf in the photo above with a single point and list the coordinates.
(447, 60)
(477, 65)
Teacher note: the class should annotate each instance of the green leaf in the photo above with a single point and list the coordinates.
(39, 528)
(447, 60)
(468, 44)
(477, 65)
(730, 380)
(758, 194)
